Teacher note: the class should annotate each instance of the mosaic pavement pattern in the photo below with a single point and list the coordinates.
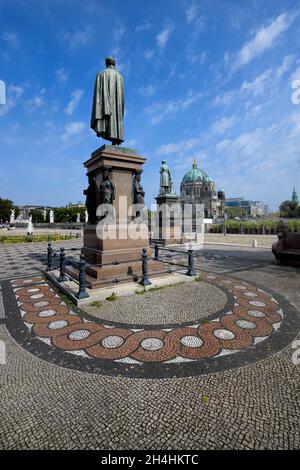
(253, 324)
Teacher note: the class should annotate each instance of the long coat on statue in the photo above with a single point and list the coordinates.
(108, 106)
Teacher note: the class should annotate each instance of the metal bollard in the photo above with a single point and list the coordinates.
(62, 256)
(145, 280)
(49, 257)
(82, 293)
(156, 251)
(191, 271)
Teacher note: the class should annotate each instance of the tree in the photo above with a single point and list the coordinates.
(233, 212)
(69, 214)
(288, 209)
(6, 205)
(37, 216)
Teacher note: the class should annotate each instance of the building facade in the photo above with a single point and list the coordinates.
(198, 188)
(251, 208)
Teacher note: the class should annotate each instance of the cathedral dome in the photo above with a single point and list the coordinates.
(196, 174)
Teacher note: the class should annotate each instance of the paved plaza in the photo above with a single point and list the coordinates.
(203, 365)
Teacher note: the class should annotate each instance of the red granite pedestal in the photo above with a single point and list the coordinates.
(113, 250)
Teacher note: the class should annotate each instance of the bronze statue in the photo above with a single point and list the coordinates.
(138, 192)
(166, 183)
(91, 200)
(107, 189)
(108, 104)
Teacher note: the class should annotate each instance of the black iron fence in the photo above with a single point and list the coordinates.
(172, 260)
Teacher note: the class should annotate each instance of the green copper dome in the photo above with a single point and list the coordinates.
(196, 174)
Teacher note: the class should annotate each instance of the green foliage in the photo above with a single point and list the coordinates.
(112, 297)
(205, 398)
(289, 209)
(268, 226)
(233, 212)
(6, 205)
(69, 214)
(37, 216)
(95, 303)
(140, 292)
(33, 238)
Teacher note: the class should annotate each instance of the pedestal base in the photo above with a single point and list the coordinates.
(126, 272)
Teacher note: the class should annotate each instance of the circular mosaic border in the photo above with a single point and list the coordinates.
(255, 323)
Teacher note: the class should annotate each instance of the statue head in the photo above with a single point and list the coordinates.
(110, 61)
(105, 175)
(138, 177)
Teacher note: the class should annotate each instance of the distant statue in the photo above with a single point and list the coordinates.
(107, 189)
(108, 104)
(78, 218)
(138, 192)
(12, 216)
(44, 215)
(86, 217)
(51, 217)
(29, 226)
(91, 200)
(166, 183)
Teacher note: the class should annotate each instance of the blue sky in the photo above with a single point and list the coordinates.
(204, 79)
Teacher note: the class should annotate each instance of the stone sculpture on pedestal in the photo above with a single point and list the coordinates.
(138, 191)
(12, 216)
(91, 200)
(107, 189)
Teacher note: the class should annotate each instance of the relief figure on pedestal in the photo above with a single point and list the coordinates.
(91, 200)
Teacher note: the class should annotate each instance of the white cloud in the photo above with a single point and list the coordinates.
(245, 145)
(160, 111)
(178, 147)
(13, 96)
(76, 96)
(61, 75)
(223, 124)
(35, 102)
(72, 129)
(148, 90)
(163, 37)
(145, 26)
(257, 86)
(77, 39)
(224, 98)
(132, 142)
(295, 75)
(196, 57)
(119, 31)
(192, 16)
(285, 66)
(191, 13)
(149, 53)
(264, 39)
(11, 38)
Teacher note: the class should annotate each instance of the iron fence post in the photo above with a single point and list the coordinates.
(145, 280)
(191, 271)
(156, 251)
(62, 256)
(49, 257)
(82, 293)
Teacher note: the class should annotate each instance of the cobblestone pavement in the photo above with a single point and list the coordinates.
(46, 405)
(20, 259)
